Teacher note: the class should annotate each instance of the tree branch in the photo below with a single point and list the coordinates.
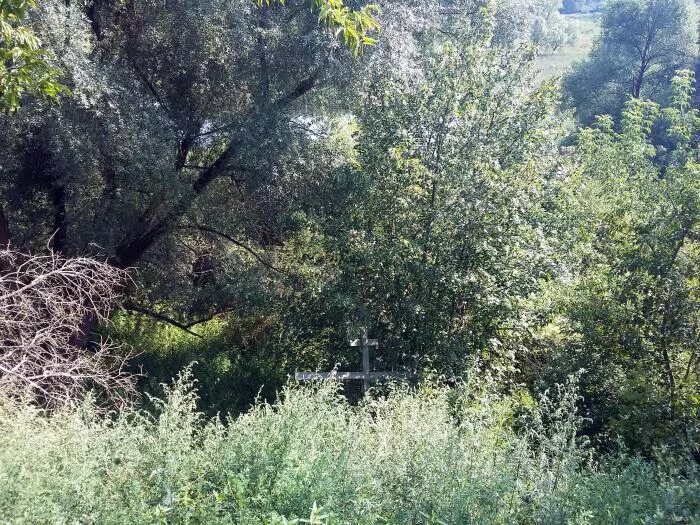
(241, 245)
(302, 89)
(163, 318)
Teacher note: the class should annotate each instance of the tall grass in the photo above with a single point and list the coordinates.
(433, 456)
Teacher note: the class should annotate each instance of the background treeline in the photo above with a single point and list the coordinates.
(274, 187)
(581, 6)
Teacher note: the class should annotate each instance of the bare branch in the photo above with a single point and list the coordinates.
(44, 301)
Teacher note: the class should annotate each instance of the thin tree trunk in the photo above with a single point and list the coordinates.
(4, 230)
(664, 350)
(60, 226)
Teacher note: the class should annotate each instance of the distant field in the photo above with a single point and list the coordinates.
(587, 28)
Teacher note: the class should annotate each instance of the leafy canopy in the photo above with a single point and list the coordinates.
(630, 305)
(641, 46)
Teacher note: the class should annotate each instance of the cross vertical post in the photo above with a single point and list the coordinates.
(365, 361)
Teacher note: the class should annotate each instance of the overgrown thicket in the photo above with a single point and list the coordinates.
(435, 456)
(276, 175)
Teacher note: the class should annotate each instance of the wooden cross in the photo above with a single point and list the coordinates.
(366, 375)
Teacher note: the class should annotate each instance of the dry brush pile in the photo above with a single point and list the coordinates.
(47, 306)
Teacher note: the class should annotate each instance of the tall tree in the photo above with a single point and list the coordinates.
(414, 214)
(436, 242)
(629, 289)
(181, 132)
(641, 45)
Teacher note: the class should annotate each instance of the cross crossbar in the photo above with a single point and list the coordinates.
(364, 342)
(311, 376)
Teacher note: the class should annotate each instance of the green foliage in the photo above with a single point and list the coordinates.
(641, 45)
(580, 6)
(160, 95)
(434, 456)
(550, 29)
(276, 193)
(414, 217)
(353, 27)
(435, 241)
(234, 361)
(629, 300)
(23, 63)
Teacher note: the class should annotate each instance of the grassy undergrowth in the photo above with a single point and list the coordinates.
(434, 456)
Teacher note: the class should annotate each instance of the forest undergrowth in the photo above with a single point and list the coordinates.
(433, 455)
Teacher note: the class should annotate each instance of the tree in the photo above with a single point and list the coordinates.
(435, 241)
(538, 22)
(550, 29)
(184, 125)
(629, 290)
(642, 43)
(439, 280)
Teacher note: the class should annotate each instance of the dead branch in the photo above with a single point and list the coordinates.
(44, 302)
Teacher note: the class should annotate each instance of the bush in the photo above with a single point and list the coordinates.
(433, 456)
(231, 369)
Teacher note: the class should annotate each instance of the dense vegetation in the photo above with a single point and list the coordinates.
(641, 46)
(436, 456)
(254, 182)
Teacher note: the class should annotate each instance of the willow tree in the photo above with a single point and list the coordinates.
(641, 45)
(185, 122)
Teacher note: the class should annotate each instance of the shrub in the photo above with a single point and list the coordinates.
(433, 456)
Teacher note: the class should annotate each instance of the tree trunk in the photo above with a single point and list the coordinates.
(60, 226)
(4, 230)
